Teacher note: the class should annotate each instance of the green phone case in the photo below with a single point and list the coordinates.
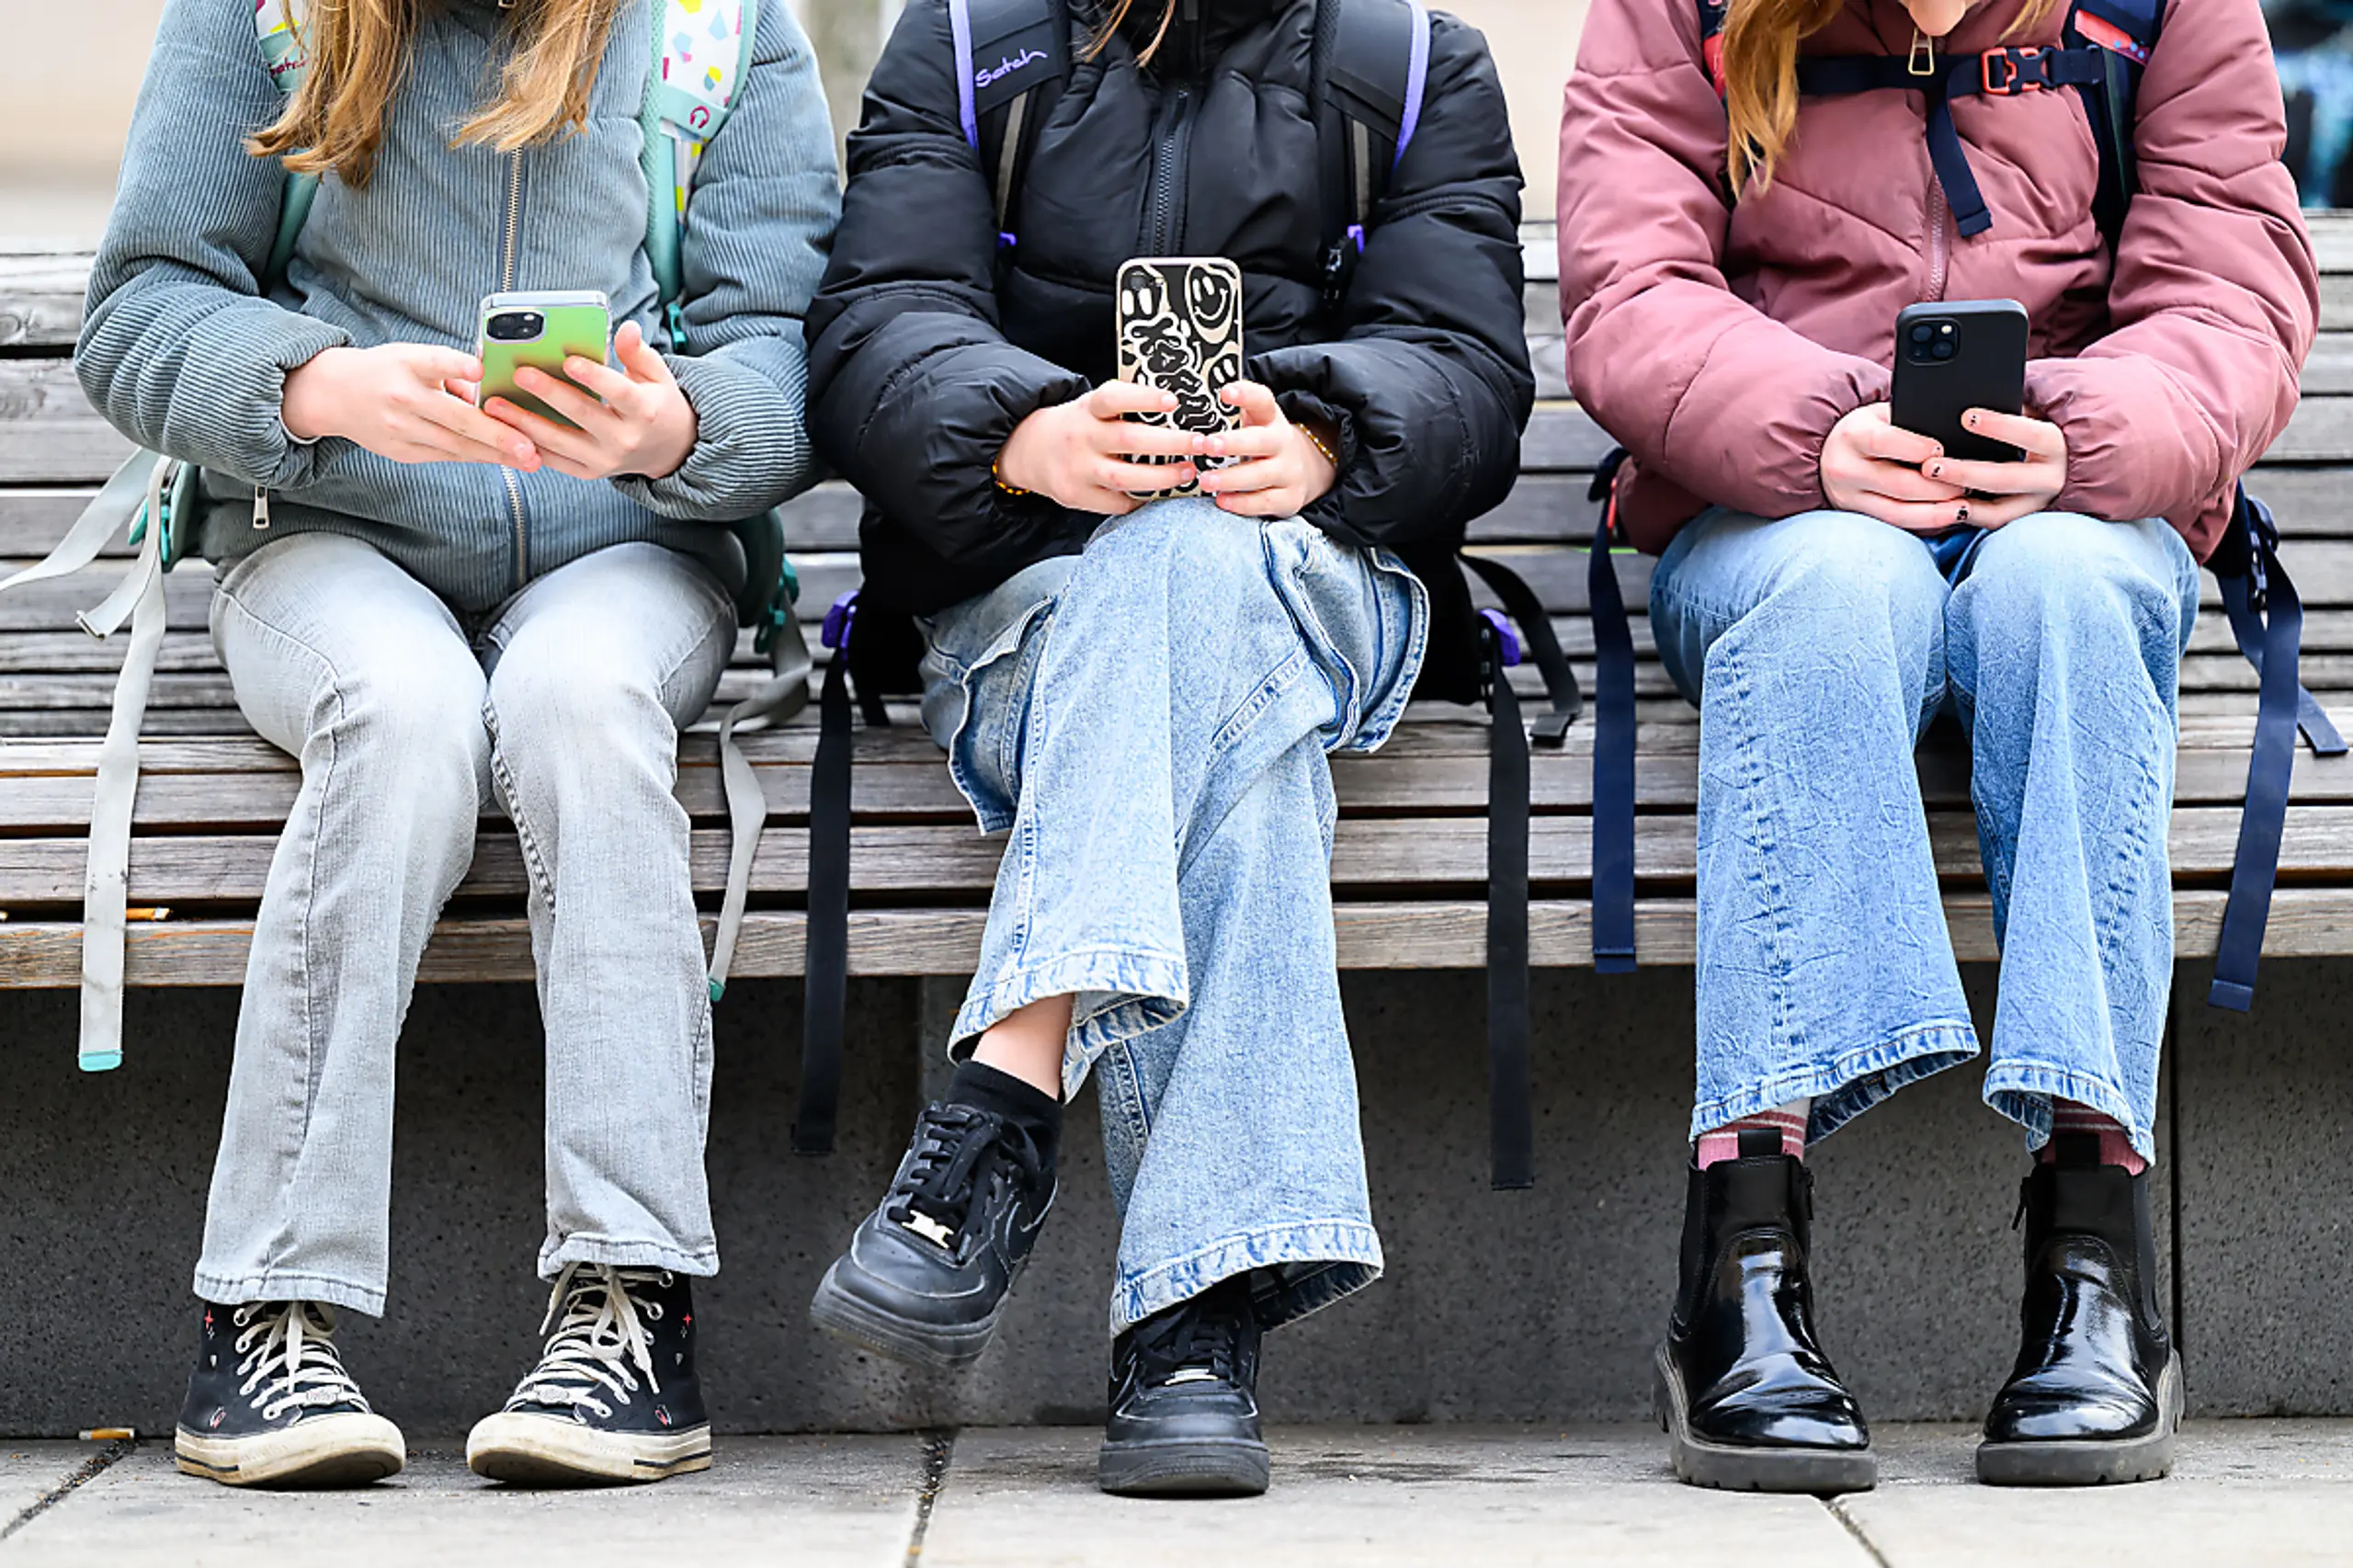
(572, 322)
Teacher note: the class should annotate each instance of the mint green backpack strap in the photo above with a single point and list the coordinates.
(700, 56)
(278, 33)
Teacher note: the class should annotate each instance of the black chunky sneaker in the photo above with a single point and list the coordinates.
(269, 1403)
(2097, 1394)
(926, 1276)
(614, 1397)
(1185, 1401)
(1748, 1398)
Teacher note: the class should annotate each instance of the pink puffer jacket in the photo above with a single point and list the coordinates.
(1721, 344)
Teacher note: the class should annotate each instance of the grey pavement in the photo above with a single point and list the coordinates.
(2268, 1492)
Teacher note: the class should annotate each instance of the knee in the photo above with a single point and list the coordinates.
(548, 702)
(1838, 576)
(1205, 564)
(416, 726)
(2064, 572)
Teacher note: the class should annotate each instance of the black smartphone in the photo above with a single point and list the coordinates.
(1954, 356)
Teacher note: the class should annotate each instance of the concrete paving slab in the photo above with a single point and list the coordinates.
(1370, 1497)
(844, 1500)
(30, 1471)
(2269, 1492)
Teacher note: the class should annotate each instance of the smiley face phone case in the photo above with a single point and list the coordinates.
(540, 328)
(1180, 331)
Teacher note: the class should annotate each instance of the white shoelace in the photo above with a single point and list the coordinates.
(600, 1335)
(290, 1347)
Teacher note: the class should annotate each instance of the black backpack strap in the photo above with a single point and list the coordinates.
(825, 964)
(1012, 58)
(1613, 741)
(1368, 69)
(1511, 1117)
(1521, 603)
(2124, 31)
(2267, 620)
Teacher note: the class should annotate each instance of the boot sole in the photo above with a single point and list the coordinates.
(323, 1451)
(935, 1349)
(1233, 1467)
(542, 1450)
(2093, 1461)
(1699, 1463)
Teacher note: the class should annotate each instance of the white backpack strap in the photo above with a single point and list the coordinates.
(784, 694)
(133, 500)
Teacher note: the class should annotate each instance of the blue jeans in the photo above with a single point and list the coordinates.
(1150, 719)
(1818, 648)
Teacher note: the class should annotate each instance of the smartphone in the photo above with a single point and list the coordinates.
(1180, 329)
(540, 328)
(1955, 355)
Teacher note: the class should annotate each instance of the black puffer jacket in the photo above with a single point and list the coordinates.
(927, 347)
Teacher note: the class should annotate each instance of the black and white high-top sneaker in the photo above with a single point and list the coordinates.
(1185, 1401)
(614, 1396)
(926, 1277)
(269, 1403)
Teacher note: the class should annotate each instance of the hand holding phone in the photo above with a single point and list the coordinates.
(407, 402)
(586, 419)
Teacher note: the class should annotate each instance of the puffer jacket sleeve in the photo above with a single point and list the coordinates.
(179, 350)
(761, 217)
(2214, 301)
(1428, 382)
(1704, 389)
(914, 390)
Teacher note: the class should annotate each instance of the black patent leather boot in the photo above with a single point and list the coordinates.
(1748, 1399)
(2097, 1391)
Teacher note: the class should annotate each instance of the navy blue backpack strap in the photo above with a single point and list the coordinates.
(1012, 57)
(2267, 620)
(1613, 741)
(2123, 31)
(1511, 1117)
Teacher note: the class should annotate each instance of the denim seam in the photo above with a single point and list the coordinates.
(620, 1252)
(2035, 1081)
(1331, 1242)
(1941, 1036)
(1374, 729)
(1129, 974)
(312, 1068)
(1763, 843)
(277, 1285)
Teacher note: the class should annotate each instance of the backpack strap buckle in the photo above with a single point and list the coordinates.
(2008, 73)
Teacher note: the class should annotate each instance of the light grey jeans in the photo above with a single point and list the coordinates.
(564, 703)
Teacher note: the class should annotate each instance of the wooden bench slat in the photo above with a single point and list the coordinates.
(2305, 922)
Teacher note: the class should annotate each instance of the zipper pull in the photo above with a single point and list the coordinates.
(261, 507)
(1923, 59)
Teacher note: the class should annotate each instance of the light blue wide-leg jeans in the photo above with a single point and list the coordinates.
(1818, 647)
(1149, 723)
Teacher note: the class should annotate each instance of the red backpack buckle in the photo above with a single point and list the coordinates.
(2006, 73)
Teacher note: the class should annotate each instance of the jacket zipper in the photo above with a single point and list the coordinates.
(1939, 215)
(1168, 169)
(506, 264)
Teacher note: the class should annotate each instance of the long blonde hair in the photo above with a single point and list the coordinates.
(1761, 39)
(359, 53)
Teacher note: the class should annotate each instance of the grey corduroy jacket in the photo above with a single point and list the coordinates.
(184, 353)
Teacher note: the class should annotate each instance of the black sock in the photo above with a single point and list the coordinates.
(984, 1088)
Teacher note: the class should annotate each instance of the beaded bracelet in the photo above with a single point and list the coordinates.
(1317, 442)
(1008, 489)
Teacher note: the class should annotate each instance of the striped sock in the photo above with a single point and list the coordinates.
(2115, 1146)
(1723, 1142)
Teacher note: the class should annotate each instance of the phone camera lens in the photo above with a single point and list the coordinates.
(1943, 349)
(513, 326)
(1922, 332)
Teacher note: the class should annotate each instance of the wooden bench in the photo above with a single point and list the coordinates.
(1408, 863)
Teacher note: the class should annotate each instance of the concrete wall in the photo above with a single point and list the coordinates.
(1540, 1305)
(70, 72)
